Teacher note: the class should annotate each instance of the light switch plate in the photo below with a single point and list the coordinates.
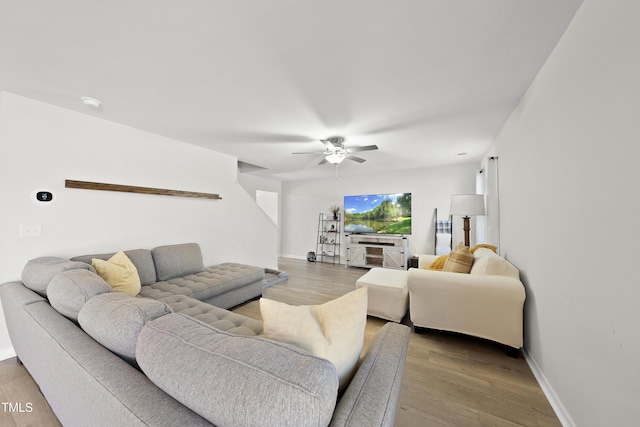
(30, 230)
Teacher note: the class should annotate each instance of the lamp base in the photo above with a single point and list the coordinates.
(466, 229)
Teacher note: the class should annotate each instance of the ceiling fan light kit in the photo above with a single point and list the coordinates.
(335, 158)
(336, 152)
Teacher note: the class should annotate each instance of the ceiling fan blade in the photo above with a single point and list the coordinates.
(365, 148)
(312, 152)
(323, 161)
(357, 159)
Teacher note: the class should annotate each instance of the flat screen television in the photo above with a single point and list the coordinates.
(378, 213)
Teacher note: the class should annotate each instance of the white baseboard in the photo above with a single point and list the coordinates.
(294, 256)
(548, 391)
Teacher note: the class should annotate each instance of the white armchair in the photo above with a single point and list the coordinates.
(487, 303)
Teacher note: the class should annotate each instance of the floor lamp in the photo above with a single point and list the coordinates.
(467, 205)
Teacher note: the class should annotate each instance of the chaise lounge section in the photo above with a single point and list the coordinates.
(179, 270)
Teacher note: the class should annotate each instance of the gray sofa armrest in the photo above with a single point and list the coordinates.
(373, 395)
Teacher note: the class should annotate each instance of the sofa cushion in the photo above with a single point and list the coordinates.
(173, 261)
(115, 320)
(459, 260)
(119, 272)
(141, 258)
(333, 330)
(71, 289)
(217, 317)
(489, 263)
(211, 282)
(234, 380)
(38, 272)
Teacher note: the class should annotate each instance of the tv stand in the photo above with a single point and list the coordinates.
(377, 251)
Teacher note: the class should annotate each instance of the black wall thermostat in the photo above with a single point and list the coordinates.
(44, 196)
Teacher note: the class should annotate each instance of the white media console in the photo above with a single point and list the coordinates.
(368, 250)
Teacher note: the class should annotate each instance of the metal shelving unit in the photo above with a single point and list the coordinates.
(328, 238)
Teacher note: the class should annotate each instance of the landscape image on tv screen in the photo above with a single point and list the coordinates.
(378, 213)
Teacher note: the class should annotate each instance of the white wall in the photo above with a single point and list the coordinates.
(430, 188)
(569, 207)
(42, 145)
(269, 202)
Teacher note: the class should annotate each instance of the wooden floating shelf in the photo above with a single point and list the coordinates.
(85, 185)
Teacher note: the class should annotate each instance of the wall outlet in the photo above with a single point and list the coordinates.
(30, 230)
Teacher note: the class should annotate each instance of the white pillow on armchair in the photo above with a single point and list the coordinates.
(488, 262)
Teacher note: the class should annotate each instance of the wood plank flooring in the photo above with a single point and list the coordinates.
(449, 379)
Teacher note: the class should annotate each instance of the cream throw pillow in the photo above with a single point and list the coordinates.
(489, 263)
(119, 272)
(460, 260)
(333, 331)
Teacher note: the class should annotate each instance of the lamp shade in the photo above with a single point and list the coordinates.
(467, 204)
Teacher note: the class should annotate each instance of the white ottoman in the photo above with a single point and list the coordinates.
(387, 292)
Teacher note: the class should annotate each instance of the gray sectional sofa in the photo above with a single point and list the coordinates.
(174, 356)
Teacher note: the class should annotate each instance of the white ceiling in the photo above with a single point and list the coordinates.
(422, 79)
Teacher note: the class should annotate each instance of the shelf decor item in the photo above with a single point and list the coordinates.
(334, 209)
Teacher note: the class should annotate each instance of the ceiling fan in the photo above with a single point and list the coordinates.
(336, 152)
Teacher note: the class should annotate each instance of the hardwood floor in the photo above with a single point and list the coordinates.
(449, 379)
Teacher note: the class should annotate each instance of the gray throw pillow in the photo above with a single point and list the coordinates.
(70, 290)
(115, 320)
(177, 260)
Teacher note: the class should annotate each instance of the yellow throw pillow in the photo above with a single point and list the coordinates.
(119, 272)
(460, 260)
(483, 245)
(438, 264)
(333, 330)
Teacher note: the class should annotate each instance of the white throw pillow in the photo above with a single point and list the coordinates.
(488, 262)
(333, 330)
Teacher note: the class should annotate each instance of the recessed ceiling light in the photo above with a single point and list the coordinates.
(91, 102)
